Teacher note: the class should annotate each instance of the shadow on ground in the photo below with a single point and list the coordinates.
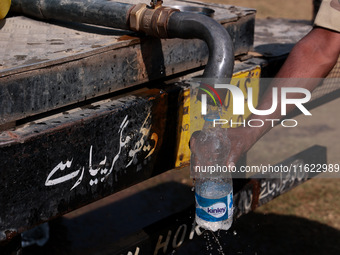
(256, 233)
(102, 230)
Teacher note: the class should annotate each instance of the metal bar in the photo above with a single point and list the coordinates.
(98, 12)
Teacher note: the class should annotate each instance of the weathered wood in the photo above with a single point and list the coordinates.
(71, 159)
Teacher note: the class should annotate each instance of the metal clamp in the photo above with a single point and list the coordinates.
(152, 21)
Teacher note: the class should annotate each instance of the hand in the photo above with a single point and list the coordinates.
(241, 139)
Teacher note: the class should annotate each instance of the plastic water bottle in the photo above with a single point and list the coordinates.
(213, 191)
(214, 203)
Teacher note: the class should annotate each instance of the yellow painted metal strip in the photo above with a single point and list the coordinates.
(243, 80)
(4, 8)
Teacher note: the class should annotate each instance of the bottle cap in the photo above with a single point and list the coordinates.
(206, 118)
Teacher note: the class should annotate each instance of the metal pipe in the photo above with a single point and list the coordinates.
(97, 12)
(221, 51)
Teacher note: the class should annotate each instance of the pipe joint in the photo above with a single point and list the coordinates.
(151, 21)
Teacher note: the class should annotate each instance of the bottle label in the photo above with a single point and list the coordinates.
(214, 210)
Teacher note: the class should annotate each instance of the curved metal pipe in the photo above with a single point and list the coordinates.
(96, 12)
(221, 51)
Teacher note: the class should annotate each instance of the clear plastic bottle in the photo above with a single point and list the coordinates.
(214, 203)
(213, 191)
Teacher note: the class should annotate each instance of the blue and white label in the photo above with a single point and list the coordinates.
(214, 210)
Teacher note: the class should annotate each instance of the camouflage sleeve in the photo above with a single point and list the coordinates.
(329, 15)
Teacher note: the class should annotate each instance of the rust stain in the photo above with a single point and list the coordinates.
(12, 135)
(152, 98)
(256, 194)
(182, 164)
(10, 234)
(134, 39)
(151, 94)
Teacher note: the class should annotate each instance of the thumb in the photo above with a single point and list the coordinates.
(234, 156)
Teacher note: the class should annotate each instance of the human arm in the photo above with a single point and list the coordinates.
(312, 57)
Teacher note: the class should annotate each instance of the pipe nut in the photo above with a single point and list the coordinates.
(150, 21)
(160, 21)
(135, 16)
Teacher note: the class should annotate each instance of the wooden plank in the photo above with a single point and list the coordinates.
(65, 161)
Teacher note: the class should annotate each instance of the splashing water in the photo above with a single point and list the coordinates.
(211, 241)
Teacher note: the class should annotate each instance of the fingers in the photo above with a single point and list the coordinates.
(232, 164)
(233, 157)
